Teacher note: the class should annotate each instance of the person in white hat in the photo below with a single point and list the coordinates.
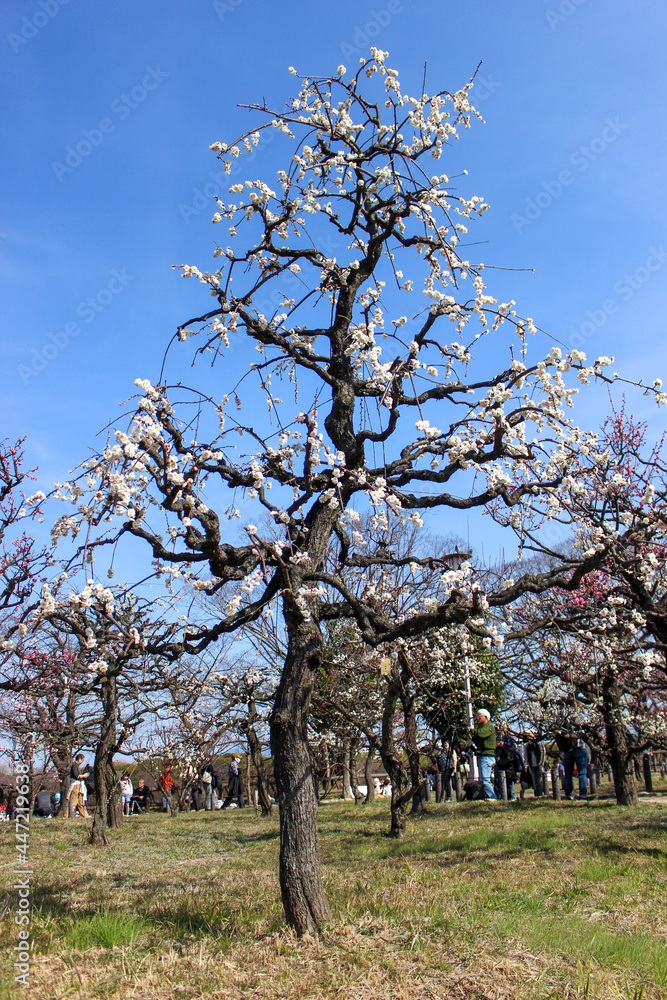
(234, 783)
(483, 735)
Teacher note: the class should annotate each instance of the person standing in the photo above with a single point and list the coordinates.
(165, 784)
(575, 752)
(512, 761)
(234, 784)
(483, 736)
(76, 798)
(207, 778)
(446, 766)
(505, 772)
(534, 755)
(126, 791)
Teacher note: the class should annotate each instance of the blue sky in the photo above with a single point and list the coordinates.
(572, 160)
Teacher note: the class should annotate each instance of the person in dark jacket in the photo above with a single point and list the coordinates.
(197, 796)
(234, 784)
(534, 755)
(483, 735)
(509, 762)
(142, 797)
(44, 805)
(574, 751)
(446, 767)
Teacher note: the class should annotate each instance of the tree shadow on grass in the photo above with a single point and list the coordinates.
(654, 824)
(611, 847)
(454, 854)
(179, 921)
(246, 838)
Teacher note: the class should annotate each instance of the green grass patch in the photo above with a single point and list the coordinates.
(107, 929)
(524, 901)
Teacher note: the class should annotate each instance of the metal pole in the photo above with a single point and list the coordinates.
(470, 719)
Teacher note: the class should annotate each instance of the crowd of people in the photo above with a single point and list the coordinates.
(504, 761)
(206, 791)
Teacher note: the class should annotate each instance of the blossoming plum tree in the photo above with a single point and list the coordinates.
(384, 693)
(23, 562)
(608, 641)
(199, 712)
(407, 401)
(48, 711)
(34, 710)
(125, 664)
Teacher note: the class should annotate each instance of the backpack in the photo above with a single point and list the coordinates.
(504, 757)
(473, 790)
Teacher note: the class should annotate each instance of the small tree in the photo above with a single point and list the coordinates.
(194, 719)
(22, 561)
(400, 408)
(50, 711)
(124, 652)
(23, 565)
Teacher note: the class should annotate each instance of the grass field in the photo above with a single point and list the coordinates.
(534, 899)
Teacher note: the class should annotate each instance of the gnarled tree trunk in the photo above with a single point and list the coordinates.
(256, 756)
(108, 810)
(368, 773)
(306, 906)
(620, 756)
(347, 792)
(60, 749)
(414, 762)
(62, 763)
(401, 785)
(114, 797)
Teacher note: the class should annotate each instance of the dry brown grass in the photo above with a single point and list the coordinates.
(481, 902)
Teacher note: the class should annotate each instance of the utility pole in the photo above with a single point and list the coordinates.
(470, 718)
(455, 560)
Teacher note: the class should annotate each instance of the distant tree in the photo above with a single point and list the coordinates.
(442, 701)
(608, 640)
(51, 713)
(125, 648)
(23, 568)
(22, 561)
(603, 664)
(387, 692)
